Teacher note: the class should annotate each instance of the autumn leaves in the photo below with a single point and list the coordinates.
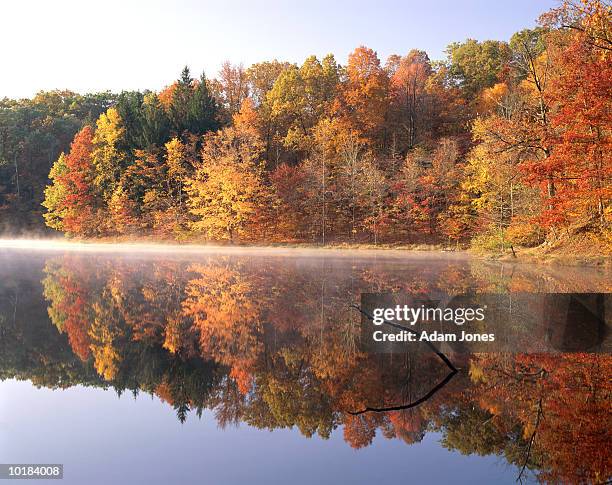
(501, 144)
(227, 194)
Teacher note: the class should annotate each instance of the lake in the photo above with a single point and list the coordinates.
(222, 366)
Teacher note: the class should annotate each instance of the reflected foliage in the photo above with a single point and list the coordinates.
(273, 343)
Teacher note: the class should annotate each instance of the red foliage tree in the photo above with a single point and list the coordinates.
(78, 179)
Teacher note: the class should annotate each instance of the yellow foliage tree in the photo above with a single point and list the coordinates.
(55, 195)
(107, 158)
(227, 192)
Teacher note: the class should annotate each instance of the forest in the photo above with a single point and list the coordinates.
(501, 144)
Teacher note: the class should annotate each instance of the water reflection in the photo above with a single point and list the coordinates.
(274, 343)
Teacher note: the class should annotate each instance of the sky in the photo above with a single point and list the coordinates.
(99, 45)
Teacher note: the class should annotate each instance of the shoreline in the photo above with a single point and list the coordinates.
(523, 255)
(157, 246)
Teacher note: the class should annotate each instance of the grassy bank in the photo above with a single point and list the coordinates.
(578, 249)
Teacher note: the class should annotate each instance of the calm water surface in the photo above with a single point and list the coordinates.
(244, 367)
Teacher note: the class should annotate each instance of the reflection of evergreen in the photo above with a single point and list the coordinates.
(190, 381)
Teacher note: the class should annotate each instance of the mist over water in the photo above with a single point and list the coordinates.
(52, 245)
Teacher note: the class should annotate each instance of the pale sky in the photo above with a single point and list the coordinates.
(97, 45)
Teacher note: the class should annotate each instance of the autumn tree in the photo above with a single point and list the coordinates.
(261, 77)
(73, 198)
(227, 193)
(55, 195)
(475, 65)
(123, 212)
(425, 188)
(499, 196)
(410, 100)
(300, 97)
(373, 199)
(107, 157)
(589, 18)
(234, 86)
(289, 185)
(581, 122)
(364, 97)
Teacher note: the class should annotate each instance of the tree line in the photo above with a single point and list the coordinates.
(501, 143)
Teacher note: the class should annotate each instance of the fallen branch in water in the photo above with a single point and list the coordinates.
(434, 390)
